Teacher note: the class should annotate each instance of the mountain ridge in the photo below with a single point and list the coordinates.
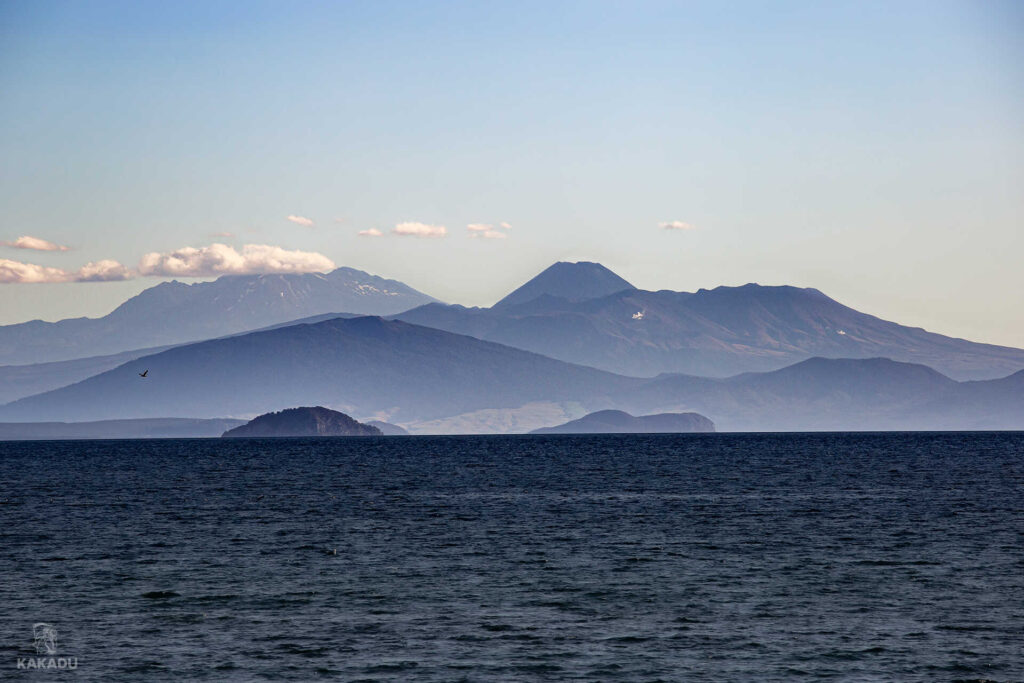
(715, 332)
(175, 312)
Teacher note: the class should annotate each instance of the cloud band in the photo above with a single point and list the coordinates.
(216, 259)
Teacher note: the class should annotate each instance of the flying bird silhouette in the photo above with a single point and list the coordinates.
(143, 374)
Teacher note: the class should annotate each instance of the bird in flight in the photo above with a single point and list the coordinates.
(143, 374)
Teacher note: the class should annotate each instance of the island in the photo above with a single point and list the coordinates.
(620, 422)
(316, 421)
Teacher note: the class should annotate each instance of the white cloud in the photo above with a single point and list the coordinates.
(36, 243)
(220, 259)
(371, 232)
(413, 229)
(676, 225)
(216, 259)
(301, 220)
(12, 272)
(490, 235)
(488, 231)
(16, 272)
(105, 270)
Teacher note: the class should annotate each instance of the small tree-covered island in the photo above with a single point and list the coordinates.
(315, 421)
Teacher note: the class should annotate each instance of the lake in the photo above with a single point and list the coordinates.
(767, 557)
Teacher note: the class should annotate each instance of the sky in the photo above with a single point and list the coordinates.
(874, 151)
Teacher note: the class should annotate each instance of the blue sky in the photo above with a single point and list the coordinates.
(872, 150)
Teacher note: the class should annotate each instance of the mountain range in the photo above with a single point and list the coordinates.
(175, 312)
(405, 373)
(577, 338)
(714, 333)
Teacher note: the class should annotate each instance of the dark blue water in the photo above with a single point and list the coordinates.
(697, 557)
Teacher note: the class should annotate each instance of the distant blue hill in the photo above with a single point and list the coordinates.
(838, 395)
(360, 366)
(175, 313)
(18, 381)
